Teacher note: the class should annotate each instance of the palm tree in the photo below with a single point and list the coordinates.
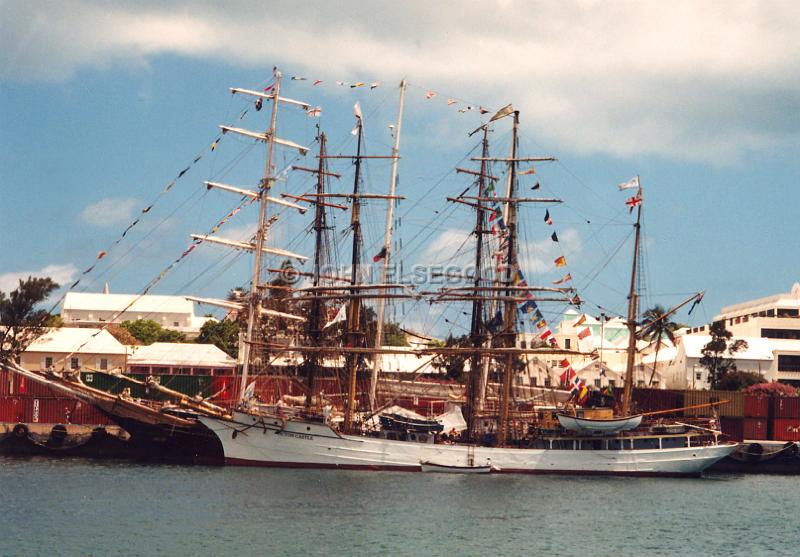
(656, 324)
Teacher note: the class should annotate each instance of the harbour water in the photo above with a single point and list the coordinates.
(81, 507)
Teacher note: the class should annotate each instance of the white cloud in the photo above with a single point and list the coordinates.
(538, 257)
(109, 212)
(452, 247)
(62, 274)
(694, 80)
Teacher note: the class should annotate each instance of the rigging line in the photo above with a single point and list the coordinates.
(193, 198)
(233, 255)
(136, 221)
(156, 280)
(592, 278)
(567, 170)
(191, 195)
(468, 103)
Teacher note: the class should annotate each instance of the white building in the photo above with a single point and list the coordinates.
(685, 371)
(92, 309)
(771, 323)
(168, 358)
(70, 348)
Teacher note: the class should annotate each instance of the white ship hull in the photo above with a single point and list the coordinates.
(255, 441)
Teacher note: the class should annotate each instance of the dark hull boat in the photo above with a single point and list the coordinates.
(162, 433)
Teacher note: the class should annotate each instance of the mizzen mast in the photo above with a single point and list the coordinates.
(387, 249)
(633, 301)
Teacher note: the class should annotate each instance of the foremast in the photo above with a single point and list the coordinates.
(258, 246)
(475, 386)
(312, 360)
(254, 301)
(355, 335)
(506, 289)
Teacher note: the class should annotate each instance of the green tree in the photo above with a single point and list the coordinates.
(718, 353)
(393, 335)
(20, 321)
(222, 334)
(738, 380)
(656, 325)
(148, 331)
(123, 335)
(453, 364)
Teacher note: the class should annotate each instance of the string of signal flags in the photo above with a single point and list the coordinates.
(460, 105)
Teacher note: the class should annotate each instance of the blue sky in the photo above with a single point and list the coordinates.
(102, 106)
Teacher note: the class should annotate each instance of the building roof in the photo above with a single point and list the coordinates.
(78, 340)
(786, 300)
(665, 354)
(757, 348)
(117, 302)
(180, 354)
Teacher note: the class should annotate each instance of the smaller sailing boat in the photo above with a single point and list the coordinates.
(454, 469)
(602, 420)
(590, 420)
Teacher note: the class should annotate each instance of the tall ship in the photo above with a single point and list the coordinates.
(338, 320)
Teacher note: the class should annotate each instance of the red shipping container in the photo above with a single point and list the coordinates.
(12, 409)
(26, 387)
(85, 414)
(756, 407)
(755, 428)
(6, 381)
(45, 410)
(786, 407)
(786, 429)
(8, 409)
(732, 427)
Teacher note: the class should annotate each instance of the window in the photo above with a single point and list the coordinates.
(787, 312)
(176, 324)
(745, 319)
(533, 381)
(103, 364)
(74, 363)
(698, 375)
(48, 362)
(793, 334)
(611, 383)
(597, 383)
(788, 363)
(567, 343)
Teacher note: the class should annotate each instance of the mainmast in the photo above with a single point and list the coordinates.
(354, 333)
(315, 317)
(509, 334)
(387, 249)
(475, 387)
(632, 311)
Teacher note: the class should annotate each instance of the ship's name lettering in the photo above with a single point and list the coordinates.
(297, 435)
